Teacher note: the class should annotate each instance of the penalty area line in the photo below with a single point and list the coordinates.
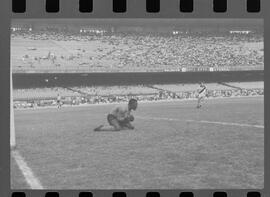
(28, 174)
(205, 122)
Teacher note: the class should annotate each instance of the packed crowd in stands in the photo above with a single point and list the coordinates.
(30, 98)
(122, 52)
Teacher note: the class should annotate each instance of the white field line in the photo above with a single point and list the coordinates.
(28, 174)
(203, 121)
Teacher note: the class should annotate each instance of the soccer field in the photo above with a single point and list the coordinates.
(174, 146)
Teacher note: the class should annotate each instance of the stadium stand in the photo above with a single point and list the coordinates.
(117, 90)
(39, 51)
(25, 98)
(42, 93)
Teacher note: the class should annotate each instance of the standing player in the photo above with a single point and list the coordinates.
(201, 94)
(120, 118)
(58, 101)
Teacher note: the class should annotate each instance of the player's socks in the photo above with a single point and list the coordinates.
(98, 128)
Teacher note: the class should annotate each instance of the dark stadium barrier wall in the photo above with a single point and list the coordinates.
(35, 80)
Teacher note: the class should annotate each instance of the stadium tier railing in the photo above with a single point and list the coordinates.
(183, 69)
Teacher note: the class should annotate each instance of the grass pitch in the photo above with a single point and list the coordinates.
(164, 151)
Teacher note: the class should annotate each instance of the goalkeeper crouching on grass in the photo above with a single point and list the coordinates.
(120, 118)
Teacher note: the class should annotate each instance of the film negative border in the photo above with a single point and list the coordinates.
(120, 6)
(150, 193)
(134, 9)
(137, 9)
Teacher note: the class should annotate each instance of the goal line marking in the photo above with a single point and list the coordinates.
(28, 174)
(204, 121)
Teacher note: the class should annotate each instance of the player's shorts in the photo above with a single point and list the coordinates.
(111, 118)
(58, 102)
(202, 95)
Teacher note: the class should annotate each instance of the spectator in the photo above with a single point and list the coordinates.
(159, 52)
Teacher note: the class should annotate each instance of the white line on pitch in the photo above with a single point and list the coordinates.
(205, 121)
(28, 174)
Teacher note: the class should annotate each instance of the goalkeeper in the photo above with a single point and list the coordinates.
(120, 118)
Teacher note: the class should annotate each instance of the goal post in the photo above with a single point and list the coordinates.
(12, 124)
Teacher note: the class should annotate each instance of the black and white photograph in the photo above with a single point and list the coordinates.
(135, 103)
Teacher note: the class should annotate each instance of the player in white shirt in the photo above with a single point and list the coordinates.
(201, 94)
(59, 104)
(120, 118)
